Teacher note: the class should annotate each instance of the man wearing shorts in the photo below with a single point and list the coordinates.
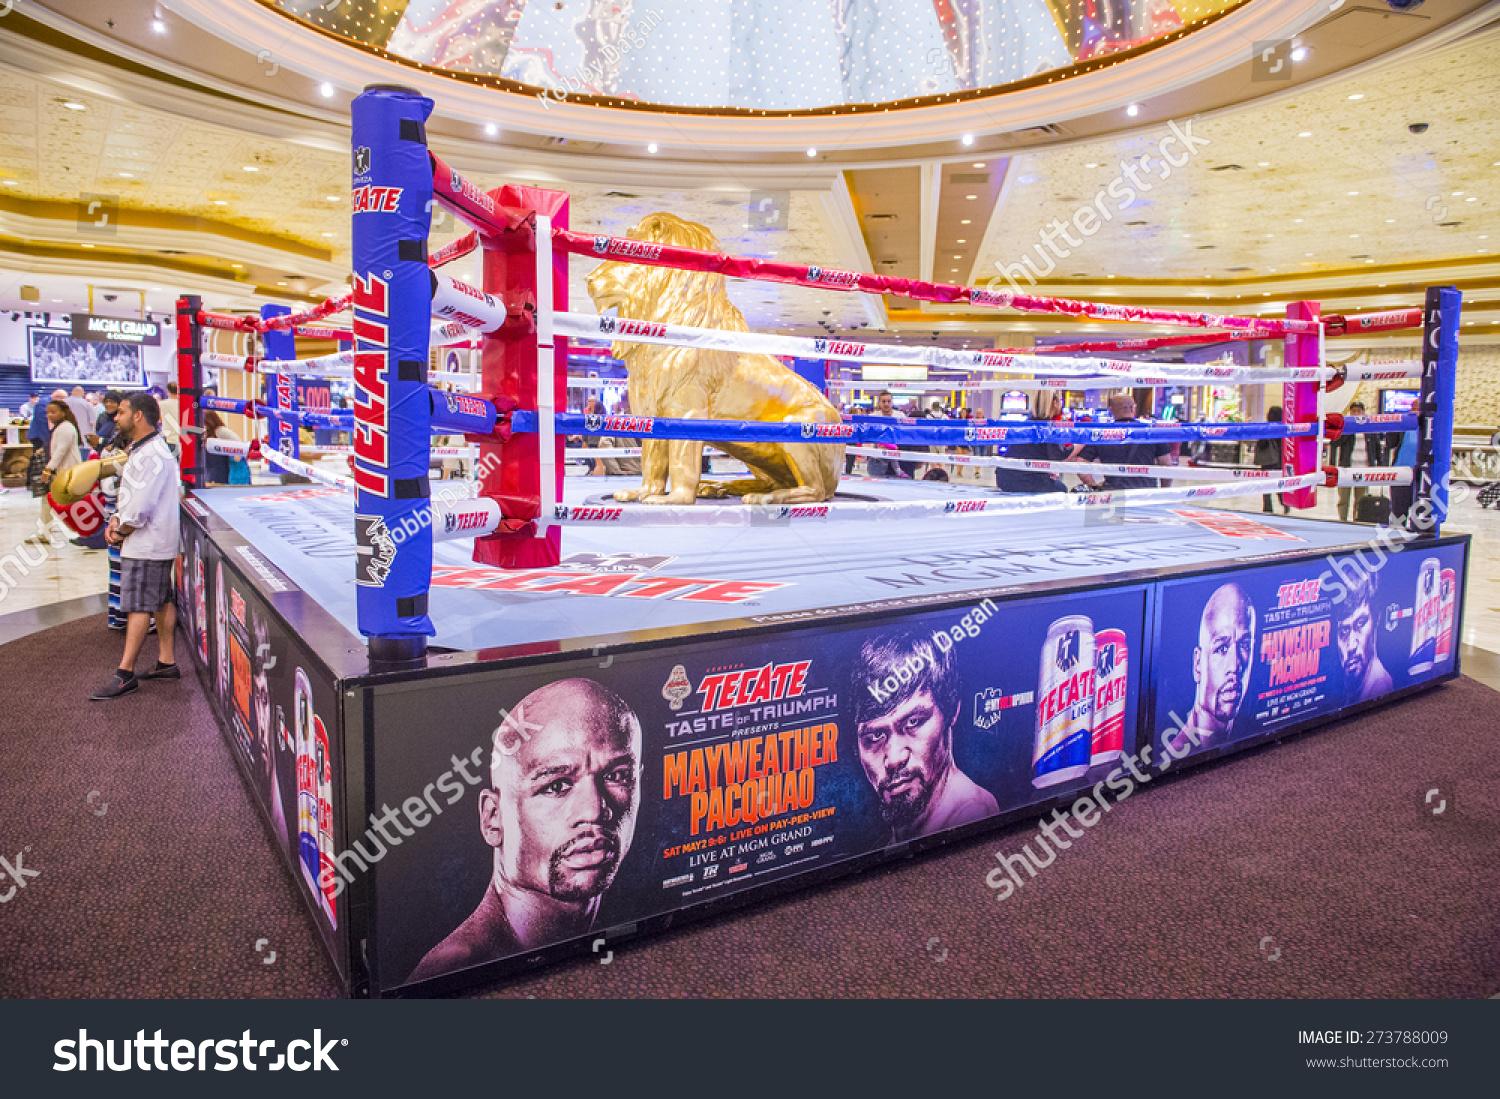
(146, 527)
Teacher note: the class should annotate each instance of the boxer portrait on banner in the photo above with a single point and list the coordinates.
(560, 813)
(1354, 633)
(1221, 668)
(906, 702)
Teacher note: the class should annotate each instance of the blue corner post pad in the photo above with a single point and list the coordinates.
(392, 212)
(1439, 389)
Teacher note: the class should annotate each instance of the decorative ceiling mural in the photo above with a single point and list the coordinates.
(760, 55)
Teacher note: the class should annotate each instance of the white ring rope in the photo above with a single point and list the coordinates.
(679, 335)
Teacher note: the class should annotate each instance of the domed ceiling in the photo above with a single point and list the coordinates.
(756, 56)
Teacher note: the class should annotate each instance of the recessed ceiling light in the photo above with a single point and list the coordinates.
(12, 182)
(971, 196)
(980, 164)
(1484, 236)
(283, 284)
(967, 139)
(159, 26)
(812, 152)
(332, 198)
(1390, 221)
(237, 265)
(1133, 110)
(963, 242)
(328, 234)
(251, 168)
(1457, 193)
(325, 89)
(1353, 193)
(157, 290)
(651, 148)
(73, 106)
(220, 202)
(1300, 53)
(1472, 198)
(58, 301)
(127, 175)
(88, 245)
(966, 221)
(1353, 236)
(1305, 133)
(1091, 165)
(1357, 95)
(1296, 221)
(954, 271)
(1263, 164)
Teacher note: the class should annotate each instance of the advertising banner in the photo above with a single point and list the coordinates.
(280, 712)
(516, 810)
(1244, 654)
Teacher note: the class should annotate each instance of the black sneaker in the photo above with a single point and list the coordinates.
(163, 671)
(115, 688)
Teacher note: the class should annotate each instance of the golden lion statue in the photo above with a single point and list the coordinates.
(697, 383)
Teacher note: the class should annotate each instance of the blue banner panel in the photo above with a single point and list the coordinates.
(1240, 656)
(1439, 390)
(564, 800)
(392, 209)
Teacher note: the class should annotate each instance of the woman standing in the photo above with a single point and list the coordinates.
(62, 453)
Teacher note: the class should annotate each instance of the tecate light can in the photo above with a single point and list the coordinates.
(307, 784)
(1111, 663)
(1424, 627)
(1065, 702)
(1447, 593)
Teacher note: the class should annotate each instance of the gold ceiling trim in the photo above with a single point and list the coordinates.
(968, 95)
(140, 217)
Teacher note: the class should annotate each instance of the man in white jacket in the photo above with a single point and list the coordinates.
(146, 526)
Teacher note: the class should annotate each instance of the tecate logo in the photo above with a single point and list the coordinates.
(629, 423)
(593, 515)
(828, 431)
(832, 278)
(640, 328)
(839, 347)
(463, 520)
(471, 192)
(1214, 432)
(954, 507)
(1113, 311)
(984, 434)
(993, 358)
(375, 200)
(1378, 478)
(1108, 434)
(371, 385)
(808, 512)
(989, 297)
(635, 249)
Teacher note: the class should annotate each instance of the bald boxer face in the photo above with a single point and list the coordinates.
(565, 802)
(1221, 663)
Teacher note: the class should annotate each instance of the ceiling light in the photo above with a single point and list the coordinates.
(1353, 193)
(332, 198)
(980, 164)
(325, 89)
(72, 106)
(220, 202)
(1357, 95)
(963, 242)
(1133, 110)
(159, 26)
(251, 168)
(1263, 164)
(157, 290)
(1471, 198)
(1457, 193)
(328, 234)
(1305, 133)
(971, 196)
(1296, 221)
(1390, 221)
(1091, 165)
(241, 265)
(88, 245)
(1300, 53)
(651, 148)
(127, 175)
(812, 152)
(12, 182)
(1353, 236)
(283, 284)
(966, 221)
(954, 271)
(58, 301)
(967, 139)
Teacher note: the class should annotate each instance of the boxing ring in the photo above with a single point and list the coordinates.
(494, 725)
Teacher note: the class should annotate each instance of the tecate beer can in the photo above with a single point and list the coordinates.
(1065, 702)
(1111, 663)
(326, 873)
(1447, 592)
(307, 783)
(1424, 627)
(200, 606)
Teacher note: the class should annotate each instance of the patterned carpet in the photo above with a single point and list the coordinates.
(1310, 869)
